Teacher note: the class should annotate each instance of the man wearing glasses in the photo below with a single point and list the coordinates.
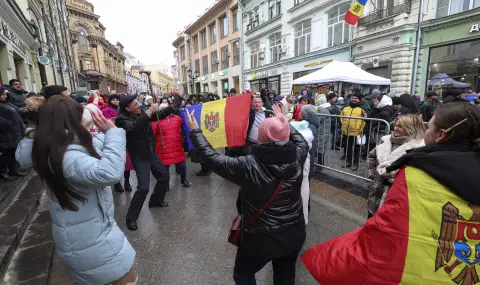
(17, 94)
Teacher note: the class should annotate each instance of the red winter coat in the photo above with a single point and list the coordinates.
(169, 142)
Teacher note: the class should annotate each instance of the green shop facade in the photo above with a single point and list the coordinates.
(450, 53)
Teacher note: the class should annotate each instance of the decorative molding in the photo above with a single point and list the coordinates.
(264, 33)
(322, 6)
(450, 21)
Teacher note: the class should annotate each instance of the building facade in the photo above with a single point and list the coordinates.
(209, 50)
(100, 64)
(450, 48)
(136, 83)
(285, 40)
(18, 46)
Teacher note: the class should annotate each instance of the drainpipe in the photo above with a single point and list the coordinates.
(417, 49)
(240, 12)
(66, 40)
(58, 46)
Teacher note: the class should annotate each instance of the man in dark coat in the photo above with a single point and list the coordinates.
(12, 130)
(17, 95)
(141, 147)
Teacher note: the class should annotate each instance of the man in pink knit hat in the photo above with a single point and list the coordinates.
(269, 201)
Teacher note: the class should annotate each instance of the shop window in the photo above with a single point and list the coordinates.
(275, 47)
(450, 7)
(225, 57)
(455, 66)
(303, 32)
(255, 55)
(236, 53)
(203, 35)
(213, 33)
(338, 29)
(214, 59)
(274, 8)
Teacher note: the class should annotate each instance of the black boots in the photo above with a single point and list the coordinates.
(128, 187)
(185, 182)
(131, 225)
(6, 177)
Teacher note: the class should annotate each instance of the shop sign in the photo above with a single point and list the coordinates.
(203, 78)
(81, 4)
(475, 28)
(223, 72)
(5, 31)
(225, 85)
(315, 63)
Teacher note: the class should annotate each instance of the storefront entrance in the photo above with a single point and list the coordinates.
(271, 83)
(454, 66)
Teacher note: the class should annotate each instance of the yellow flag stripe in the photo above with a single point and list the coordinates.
(213, 123)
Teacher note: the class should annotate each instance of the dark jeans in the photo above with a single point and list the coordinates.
(352, 150)
(7, 160)
(142, 167)
(247, 264)
(180, 168)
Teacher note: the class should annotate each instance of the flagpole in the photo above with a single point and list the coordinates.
(417, 49)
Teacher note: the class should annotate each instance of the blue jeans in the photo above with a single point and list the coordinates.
(180, 169)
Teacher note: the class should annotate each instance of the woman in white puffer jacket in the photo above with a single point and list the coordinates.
(304, 130)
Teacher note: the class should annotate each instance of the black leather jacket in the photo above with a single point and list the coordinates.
(280, 230)
(140, 138)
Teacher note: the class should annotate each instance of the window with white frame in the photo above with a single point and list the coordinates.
(235, 20)
(275, 46)
(195, 44)
(274, 8)
(303, 32)
(205, 64)
(298, 2)
(213, 33)
(203, 35)
(255, 55)
(450, 7)
(338, 30)
(214, 59)
(224, 27)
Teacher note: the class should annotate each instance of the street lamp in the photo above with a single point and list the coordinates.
(193, 75)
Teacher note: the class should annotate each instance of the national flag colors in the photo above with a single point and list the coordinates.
(355, 12)
(223, 122)
(423, 234)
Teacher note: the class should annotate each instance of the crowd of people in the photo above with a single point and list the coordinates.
(80, 146)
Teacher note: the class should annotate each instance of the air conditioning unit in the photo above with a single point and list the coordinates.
(283, 49)
(228, 54)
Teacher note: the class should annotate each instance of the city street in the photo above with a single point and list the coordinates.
(186, 243)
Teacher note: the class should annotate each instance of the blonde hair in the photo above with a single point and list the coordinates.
(33, 103)
(412, 124)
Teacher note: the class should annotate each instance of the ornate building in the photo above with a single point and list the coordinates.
(162, 80)
(100, 64)
(137, 83)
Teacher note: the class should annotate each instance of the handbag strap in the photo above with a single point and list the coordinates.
(260, 211)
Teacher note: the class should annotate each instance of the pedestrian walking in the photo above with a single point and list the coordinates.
(407, 134)
(78, 168)
(141, 147)
(169, 145)
(270, 179)
(111, 112)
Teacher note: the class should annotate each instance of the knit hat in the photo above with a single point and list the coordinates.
(278, 98)
(113, 96)
(321, 100)
(80, 99)
(126, 100)
(358, 95)
(331, 95)
(430, 94)
(396, 101)
(52, 90)
(375, 93)
(274, 129)
(232, 90)
(308, 111)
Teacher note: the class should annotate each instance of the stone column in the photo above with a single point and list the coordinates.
(7, 63)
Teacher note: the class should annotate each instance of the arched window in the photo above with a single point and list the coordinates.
(83, 44)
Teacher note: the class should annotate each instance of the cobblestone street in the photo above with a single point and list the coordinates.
(186, 243)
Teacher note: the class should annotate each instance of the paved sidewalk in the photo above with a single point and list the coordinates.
(186, 242)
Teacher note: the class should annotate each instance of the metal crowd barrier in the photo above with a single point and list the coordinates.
(339, 151)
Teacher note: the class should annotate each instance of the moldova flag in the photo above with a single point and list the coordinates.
(355, 12)
(423, 234)
(224, 122)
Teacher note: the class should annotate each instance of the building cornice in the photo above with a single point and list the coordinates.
(383, 33)
(264, 33)
(308, 14)
(264, 24)
(452, 20)
(211, 11)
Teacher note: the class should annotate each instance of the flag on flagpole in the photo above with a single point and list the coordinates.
(224, 122)
(423, 234)
(355, 12)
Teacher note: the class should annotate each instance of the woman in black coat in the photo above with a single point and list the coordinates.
(11, 132)
(277, 161)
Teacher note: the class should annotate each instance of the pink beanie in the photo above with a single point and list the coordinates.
(275, 129)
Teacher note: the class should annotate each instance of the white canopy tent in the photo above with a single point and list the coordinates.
(337, 71)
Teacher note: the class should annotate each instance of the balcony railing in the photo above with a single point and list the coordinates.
(389, 11)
